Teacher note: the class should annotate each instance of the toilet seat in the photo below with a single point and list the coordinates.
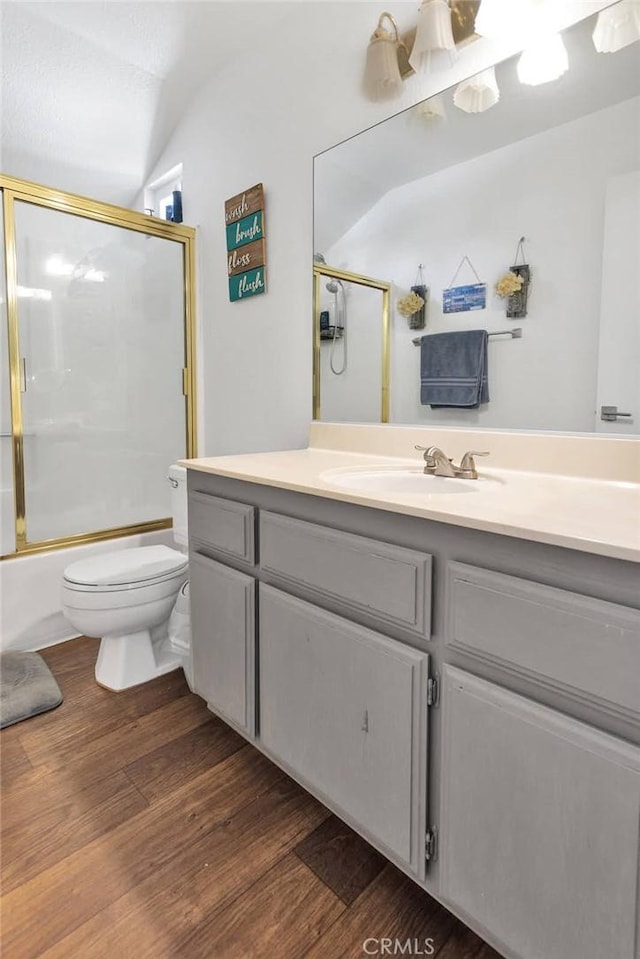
(124, 570)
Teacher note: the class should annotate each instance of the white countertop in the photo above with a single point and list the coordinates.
(588, 514)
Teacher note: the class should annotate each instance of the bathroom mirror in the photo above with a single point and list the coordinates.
(556, 163)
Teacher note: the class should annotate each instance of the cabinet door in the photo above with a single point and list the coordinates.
(344, 709)
(539, 825)
(223, 632)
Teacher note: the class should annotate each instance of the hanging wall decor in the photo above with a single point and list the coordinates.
(246, 247)
(411, 305)
(461, 299)
(514, 285)
(415, 309)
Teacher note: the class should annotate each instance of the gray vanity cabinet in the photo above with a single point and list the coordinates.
(344, 709)
(540, 825)
(468, 702)
(223, 639)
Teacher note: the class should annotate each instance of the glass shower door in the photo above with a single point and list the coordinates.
(351, 354)
(7, 522)
(101, 313)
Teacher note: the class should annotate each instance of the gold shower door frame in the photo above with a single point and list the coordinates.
(13, 189)
(320, 270)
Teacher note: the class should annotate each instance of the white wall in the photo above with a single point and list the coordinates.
(263, 119)
(550, 188)
(105, 185)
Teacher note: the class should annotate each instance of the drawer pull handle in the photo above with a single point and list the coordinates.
(365, 722)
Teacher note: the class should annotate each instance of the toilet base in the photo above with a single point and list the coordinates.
(126, 661)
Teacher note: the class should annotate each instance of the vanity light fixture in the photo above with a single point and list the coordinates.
(478, 93)
(617, 27)
(382, 78)
(432, 110)
(94, 276)
(434, 34)
(543, 61)
(31, 293)
(504, 19)
(56, 266)
(442, 25)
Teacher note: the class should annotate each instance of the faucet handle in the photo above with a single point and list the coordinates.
(428, 458)
(467, 462)
(432, 451)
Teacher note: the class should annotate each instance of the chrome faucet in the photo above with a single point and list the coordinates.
(437, 463)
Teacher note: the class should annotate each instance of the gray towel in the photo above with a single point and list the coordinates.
(453, 369)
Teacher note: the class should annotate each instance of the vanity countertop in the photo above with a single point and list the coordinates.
(590, 514)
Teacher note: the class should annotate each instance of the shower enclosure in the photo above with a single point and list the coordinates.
(97, 368)
(350, 345)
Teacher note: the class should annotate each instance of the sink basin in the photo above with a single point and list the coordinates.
(390, 480)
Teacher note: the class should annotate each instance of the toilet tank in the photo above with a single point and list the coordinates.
(177, 477)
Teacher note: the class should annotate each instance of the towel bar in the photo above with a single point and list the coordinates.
(515, 334)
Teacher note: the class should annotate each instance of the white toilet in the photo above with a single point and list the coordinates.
(127, 597)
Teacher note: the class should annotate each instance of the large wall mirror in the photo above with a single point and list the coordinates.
(556, 163)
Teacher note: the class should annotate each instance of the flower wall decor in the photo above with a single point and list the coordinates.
(409, 304)
(413, 304)
(514, 285)
(508, 284)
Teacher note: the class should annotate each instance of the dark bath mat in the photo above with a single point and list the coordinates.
(27, 687)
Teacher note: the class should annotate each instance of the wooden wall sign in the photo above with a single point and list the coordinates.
(246, 252)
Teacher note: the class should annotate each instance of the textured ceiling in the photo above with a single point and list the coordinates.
(91, 90)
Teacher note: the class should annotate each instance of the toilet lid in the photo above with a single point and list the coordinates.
(126, 566)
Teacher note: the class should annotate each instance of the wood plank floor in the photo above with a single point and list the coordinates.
(137, 824)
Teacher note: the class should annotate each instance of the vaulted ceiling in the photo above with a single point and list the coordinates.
(92, 90)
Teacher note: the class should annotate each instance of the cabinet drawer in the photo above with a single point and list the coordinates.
(570, 642)
(344, 709)
(384, 582)
(223, 525)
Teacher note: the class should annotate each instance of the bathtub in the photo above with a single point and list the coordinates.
(7, 524)
(30, 611)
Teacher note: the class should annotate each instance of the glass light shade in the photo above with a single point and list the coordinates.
(478, 93)
(431, 110)
(617, 27)
(382, 80)
(495, 18)
(544, 61)
(511, 19)
(433, 32)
